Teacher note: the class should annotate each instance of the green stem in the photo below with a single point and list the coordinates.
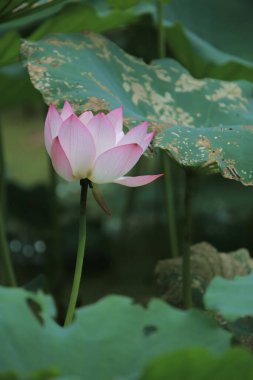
(170, 203)
(2, 174)
(80, 253)
(55, 257)
(169, 191)
(187, 281)
(9, 276)
(161, 30)
(6, 264)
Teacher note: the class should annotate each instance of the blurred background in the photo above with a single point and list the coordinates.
(42, 211)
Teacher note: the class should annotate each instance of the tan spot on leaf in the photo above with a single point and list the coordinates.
(126, 67)
(186, 83)
(249, 128)
(96, 104)
(230, 91)
(163, 75)
(67, 42)
(37, 73)
(203, 141)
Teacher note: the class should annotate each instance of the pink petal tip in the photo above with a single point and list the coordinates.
(137, 181)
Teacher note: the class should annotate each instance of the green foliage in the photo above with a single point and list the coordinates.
(83, 18)
(9, 48)
(123, 4)
(17, 13)
(203, 59)
(232, 299)
(216, 22)
(205, 124)
(199, 364)
(113, 338)
(16, 87)
(13, 77)
(48, 374)
(203, 36)
(54, 17)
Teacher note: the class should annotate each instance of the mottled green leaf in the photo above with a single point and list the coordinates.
(113, 338)
(205, 124)
(199, 364)
(232, 299)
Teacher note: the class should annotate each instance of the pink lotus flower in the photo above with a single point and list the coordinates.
(95, 147)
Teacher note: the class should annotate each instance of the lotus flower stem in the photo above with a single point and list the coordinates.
(187, 290)
(6, 264)
(96, 148)
(80, 253)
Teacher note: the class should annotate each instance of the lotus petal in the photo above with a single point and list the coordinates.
(66, 111)
(103, 133)
(137, 181)
(85, 117)
(52, 126)
(116, 119)
(135, 135)
(60, 161)
(78, 145)
(115, 163)
(147, 140)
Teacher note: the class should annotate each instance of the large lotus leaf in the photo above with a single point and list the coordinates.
(113, 338)
(233, 299)
(199, 364)
(201, 123)
(213, 37)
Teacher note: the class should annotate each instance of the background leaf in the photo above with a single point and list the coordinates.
(83, 18)
(54, 17)
(17, 13)
(232, 299)
(113, 338)
(15, 82)
(198, 364)
(205, 37)
(216, 22)
(9, 48)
